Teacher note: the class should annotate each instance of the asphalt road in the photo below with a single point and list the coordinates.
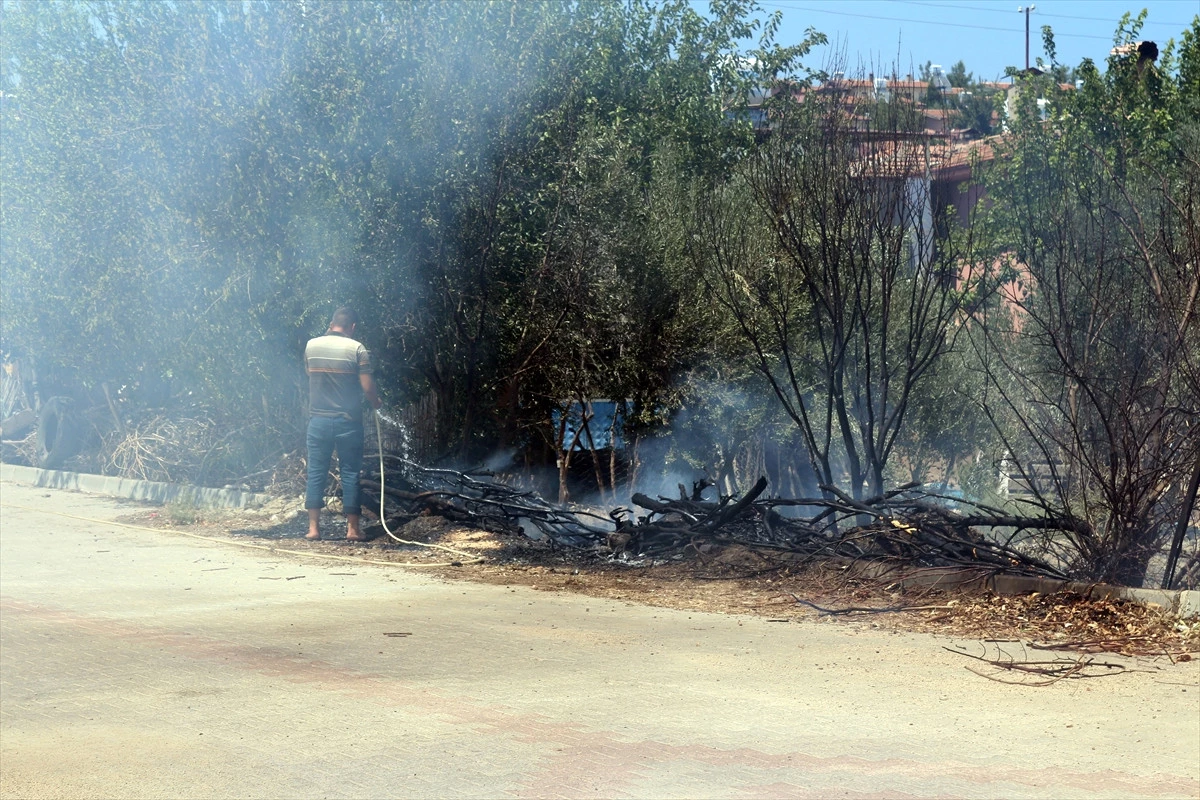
(136, 663)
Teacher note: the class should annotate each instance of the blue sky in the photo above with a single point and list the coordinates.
(986, 34)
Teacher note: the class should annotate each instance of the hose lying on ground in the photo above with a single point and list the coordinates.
(383, 493)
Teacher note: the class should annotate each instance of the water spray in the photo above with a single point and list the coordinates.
(383, 491)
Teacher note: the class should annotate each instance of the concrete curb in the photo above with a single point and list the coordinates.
(155, 492)
(1183, 603)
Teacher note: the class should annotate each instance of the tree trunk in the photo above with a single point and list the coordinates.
(1185, 517)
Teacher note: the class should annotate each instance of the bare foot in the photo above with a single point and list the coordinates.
(313, 535)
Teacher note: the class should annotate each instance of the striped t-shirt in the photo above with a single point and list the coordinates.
(334, 362)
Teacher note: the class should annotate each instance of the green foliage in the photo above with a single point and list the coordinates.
(1095, 380)
(531, 202)
(896, 114)
(959, 77)
(933, 96)
(975, 111)
(191, 188)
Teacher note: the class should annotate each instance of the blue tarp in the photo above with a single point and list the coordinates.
(605, 421)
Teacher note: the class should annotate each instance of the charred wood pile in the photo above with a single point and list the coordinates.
(905, 526)
(479, 500)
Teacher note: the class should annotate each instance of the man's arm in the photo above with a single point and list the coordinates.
(368, 387)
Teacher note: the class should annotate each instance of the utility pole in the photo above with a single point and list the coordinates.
(1025, 10)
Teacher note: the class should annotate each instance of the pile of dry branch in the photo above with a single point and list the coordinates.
(904, 526)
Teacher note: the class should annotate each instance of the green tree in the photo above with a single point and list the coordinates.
(1096, 209)
(190, 188)
(975, 110)
(959, 77)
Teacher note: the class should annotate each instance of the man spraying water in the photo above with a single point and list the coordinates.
(339, 375)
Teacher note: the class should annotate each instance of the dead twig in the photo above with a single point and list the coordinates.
(829, 612)
(1054, 671)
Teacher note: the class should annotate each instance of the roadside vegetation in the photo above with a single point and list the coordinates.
(538, 205)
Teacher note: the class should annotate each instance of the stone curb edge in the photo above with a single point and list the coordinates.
(155, 492)
(1183, 603)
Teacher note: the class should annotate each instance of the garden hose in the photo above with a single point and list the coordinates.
(383, 493)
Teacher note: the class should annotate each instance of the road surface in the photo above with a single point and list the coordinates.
(138, 663)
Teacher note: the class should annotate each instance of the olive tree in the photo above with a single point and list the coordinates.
(1097, 207)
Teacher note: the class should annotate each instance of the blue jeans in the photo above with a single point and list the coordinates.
(325, 434)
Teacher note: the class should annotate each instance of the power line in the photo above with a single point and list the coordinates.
(995, 10)
(992, 28)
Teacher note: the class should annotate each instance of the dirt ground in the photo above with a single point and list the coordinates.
(731, 579)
